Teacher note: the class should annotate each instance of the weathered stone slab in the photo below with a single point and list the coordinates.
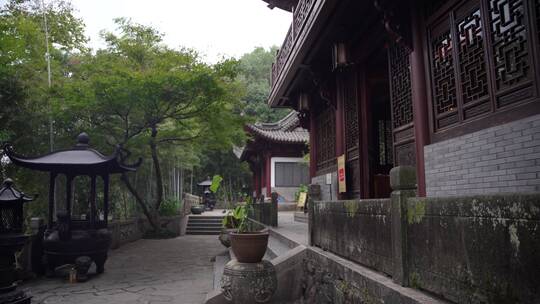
(357, 230)
(477, 249)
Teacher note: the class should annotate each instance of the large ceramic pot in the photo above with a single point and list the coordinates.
(225, 237)
(197, 209)
(248, 283)
(249, 247)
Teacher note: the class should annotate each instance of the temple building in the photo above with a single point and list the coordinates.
(275, 153)
(449, 87)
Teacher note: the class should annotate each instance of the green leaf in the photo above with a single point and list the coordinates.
(216, 181)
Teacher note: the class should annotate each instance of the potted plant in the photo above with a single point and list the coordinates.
(229, 225)
(249, 245)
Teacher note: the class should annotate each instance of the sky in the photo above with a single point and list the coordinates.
(215, 28)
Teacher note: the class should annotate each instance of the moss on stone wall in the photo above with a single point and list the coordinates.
(416, 212)
(351, 207)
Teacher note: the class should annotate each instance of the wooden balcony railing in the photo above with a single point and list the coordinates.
(300, 16)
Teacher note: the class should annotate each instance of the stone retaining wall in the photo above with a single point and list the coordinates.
(357, 230)
(468, 249)
(476, 249)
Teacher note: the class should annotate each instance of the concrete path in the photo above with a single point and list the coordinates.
(295, 231)
(176, 271)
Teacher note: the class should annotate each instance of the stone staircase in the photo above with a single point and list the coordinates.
(204, 225)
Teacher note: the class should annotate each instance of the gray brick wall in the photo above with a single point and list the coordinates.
(504, 158)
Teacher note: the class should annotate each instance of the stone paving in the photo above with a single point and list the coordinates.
(176, 271)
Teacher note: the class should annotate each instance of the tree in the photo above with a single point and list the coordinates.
(149, 99)
(255, 69)
(24, 91)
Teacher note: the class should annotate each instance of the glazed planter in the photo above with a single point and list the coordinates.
(197, 209)
(249, 247)
(225, 237)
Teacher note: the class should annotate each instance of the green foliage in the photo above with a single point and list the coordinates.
(254, 74)
(170, 207)
(238, 218)
(165, 105)
(216, 181)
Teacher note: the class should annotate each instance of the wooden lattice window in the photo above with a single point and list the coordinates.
(400, 92)
(472, 76)
(326, 139)
(401, 141)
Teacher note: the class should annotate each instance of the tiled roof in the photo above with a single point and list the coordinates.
(287, 130)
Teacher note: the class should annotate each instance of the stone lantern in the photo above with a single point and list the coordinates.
(12, 239)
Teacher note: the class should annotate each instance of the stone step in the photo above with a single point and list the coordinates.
(205, 222)
(202, 217)
(196, 232)
(199, 224)
(203, 228)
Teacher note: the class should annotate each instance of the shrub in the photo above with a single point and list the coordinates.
(170, 207)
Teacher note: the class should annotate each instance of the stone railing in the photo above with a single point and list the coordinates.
(300, 15)
(266, 212)
(466, 249)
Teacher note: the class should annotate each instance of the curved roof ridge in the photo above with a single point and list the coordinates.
(286, 130)
(285, 123)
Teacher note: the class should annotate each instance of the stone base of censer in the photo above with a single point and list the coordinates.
(14, 296)
(248, 283)
(9, 294)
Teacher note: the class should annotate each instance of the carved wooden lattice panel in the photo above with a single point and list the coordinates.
(481, 62)
(400, 91)
(351, 113)
(509, 36)
(326, 138)
(444, 78)
(473, 73)
(352, 132)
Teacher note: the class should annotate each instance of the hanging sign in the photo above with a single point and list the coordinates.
(342, 180)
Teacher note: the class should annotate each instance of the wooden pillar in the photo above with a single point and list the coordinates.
(363, 124)
(419, 100)
(253, 180)
(52, 183)
(312, 142)
(340, 122)
(93, 202)
(268, 175)
(106, 199)
(259, 178)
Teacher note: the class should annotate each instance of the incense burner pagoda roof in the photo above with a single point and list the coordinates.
(81, 159)
(287, 130)
(8, 193)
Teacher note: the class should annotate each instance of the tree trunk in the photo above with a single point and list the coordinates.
(147, 212)
(157, 167)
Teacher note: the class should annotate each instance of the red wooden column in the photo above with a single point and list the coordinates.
(419, 100)
(254, 180)
(268, 175)
(340, 121)
(363, 125)
(260, 180)
(312, 143)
